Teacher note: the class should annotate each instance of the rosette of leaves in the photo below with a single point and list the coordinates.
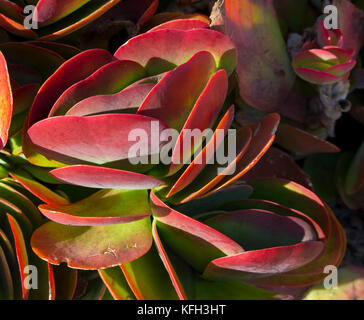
(265, 240)
(51, 20)
(80, 120)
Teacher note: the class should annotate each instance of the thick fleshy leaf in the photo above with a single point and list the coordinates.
(41, 61)
(256, 229)
(49, 11)
(200, 160)
(11, 10)
(295, 196)
(265, 262)
(68, 138)
(264, 69)
(216, 200)
(99, 177)
(297, 140)
(85, 63)
(116, 283)
(92, 247)
(7, 208)
(65, 50)
(182, 24)
(38, 189)
(148, 278)
(210, 104)
(105, 207)
(278, 164)
(6, 283)
(159, 50)
(190, 285)
(317, 76)
(20, 201)
(355, 178)
(180, 88)
(23, 97)
(109, 79)
(6, 102)
(125, 101)
(167, 263)
(314, 231)
(213, 174)
(16, 28)
(21, 253)
(194, 241)
(313, 272)
(74, 22)
(259, 145)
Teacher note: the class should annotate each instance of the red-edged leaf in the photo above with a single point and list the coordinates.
(50, 11)
(259, 145)
(36, 188)
(297, 140)
(278, 164)
(109, 79)
(81, 21)
(182, 24)
(256, 229)
(125, 101)
(180, 88)
(156, 49)
(148, 278)
(209, 103)
(23, 97)
(99, 177)
(16, 28)
(6, 102)
(194, 241)
(200, 161)
(95, 139)
(317, 76)
(167, 264)
(105, 207)
(92, 247)
(116, 283)
(265, 262)
(85, 63)
(21, 253)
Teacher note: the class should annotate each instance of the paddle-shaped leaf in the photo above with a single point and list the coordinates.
(105, 207)
(92, 247)
(6, 102)
(264, 69)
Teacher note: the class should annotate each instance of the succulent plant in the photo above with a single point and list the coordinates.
(151, 170)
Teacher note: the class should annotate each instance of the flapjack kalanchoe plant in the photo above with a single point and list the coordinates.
(160, 216)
